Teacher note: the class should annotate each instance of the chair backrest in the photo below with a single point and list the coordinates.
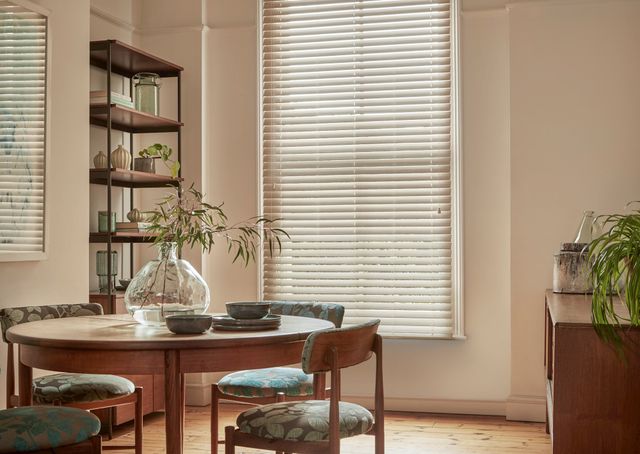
(349, 346)
(325, 311)
(333, 349)
(11, 316)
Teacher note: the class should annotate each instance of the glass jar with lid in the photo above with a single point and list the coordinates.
(147, 92)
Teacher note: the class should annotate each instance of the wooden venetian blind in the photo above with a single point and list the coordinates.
(23, 48)
(356, 158)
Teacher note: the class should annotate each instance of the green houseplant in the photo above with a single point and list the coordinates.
(615, 271)
(170, 285)
(145, 162)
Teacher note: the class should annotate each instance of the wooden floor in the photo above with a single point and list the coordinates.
(406, 433)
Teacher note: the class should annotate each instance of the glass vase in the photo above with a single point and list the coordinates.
(147, 92)
(166, 286)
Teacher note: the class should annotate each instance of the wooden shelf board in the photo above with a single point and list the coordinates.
(126, 60)
(121, 237)
(131, 120)
(132, 179)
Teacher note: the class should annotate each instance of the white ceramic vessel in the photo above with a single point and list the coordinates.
(120, 158)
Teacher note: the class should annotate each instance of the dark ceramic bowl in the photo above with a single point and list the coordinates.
(244, 310)
(188, 323)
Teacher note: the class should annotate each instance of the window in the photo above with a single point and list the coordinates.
(359, 159)
(23, 77)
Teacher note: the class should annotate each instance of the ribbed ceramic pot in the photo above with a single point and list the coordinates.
(135, 215)
(100, 161)
(120, 158)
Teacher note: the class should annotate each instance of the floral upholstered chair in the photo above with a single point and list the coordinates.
(275, 384)
(317, 426)
(82, 391)
(40, 430)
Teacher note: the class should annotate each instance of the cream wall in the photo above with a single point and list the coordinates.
(575, 104)
(231, 166)
(62, 277)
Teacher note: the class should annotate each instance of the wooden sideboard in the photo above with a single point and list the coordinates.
(152, 385)
(593, 397)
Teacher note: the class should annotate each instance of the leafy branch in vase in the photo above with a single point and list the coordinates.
(184, 218)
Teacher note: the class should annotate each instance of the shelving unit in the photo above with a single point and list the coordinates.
(115, 57)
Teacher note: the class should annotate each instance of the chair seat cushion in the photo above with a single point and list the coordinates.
(68, 388)
(303, 421)
(27, 429)
(267, 383)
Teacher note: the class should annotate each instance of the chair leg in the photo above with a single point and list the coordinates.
(139, 421)
(214, 418)
(96, 444)
(110, 424)
(229, 442)
(280, 398)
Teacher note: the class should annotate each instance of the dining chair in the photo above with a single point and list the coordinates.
(81, 391)
(316, 426)
(274, 384)
(50, 430)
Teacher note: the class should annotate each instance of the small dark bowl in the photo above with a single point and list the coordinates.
(124, 283)
(244, 310)
(188, 323)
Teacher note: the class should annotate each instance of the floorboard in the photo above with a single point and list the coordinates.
(406, 433)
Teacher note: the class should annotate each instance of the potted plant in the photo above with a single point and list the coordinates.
(170, 285)
(147, 156)
(615, 271)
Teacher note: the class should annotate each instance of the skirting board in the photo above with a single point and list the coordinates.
(526, 408)
(200, 395)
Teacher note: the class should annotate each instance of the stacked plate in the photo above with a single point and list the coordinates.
(227, 323)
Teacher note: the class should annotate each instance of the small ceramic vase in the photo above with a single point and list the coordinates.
(135, 215)
(120, 158)
(100, 160)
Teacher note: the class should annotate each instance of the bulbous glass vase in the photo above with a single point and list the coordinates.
(166, 286)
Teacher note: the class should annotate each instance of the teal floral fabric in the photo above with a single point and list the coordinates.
(325, 311)
(311, 340)
(303, 421)
(68, 388)
(26, 429)
(12, 316)
(267, 383)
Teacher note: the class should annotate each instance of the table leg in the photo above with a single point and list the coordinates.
(183, 405)
(25, 378)
(173, 402)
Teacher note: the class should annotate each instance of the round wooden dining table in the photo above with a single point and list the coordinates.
(116, 344)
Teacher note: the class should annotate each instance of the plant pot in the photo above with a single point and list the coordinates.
(144, 165)
(166, 286)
